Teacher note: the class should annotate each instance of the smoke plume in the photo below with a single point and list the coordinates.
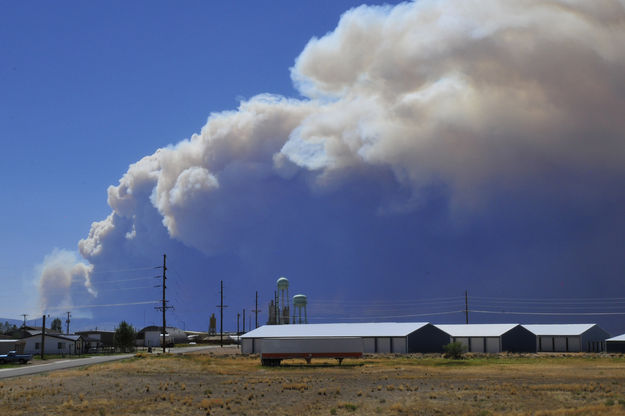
(465, 101)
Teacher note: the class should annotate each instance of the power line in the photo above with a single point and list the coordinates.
(53, 308)
(550, 313)
(394, 316)
(124, 270)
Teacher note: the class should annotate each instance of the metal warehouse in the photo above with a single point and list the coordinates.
(382, 337)
(491, 338)
(616, 344)
(568, 337)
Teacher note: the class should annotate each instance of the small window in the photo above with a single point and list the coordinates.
(59, 346)
(36, 345)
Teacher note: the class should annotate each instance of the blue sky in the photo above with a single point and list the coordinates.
(420, 151)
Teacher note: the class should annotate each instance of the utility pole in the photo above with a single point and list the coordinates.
(221, 307)
(256, 310)
(67, 321)
(238, 317)
(43, 336)
(24, 315)
(244, 320)
(164, 306)
(466, 306)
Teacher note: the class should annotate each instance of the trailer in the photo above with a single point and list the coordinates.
(274, 350)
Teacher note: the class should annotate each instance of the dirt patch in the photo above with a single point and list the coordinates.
(225, 382)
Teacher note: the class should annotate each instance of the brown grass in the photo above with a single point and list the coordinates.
(233, 384)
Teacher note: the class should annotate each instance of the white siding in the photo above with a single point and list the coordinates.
(33, 346)
(312, 345)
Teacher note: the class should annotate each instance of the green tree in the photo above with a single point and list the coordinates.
(455, 350)
(125, 336)
(56, 325)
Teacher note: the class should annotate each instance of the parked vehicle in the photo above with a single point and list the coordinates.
(13, 357)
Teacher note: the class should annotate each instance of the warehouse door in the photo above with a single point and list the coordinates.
(574, 344)
(463, 341)
(477, 344)
(492, 345)
(368, 345)
(559, 344)
(399, 345)
(384, 345)
(546, 344)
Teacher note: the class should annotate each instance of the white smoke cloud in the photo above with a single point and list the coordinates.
(466, 92)
(472, 96)
(62, 272)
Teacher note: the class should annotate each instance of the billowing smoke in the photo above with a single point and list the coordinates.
(62, 274)
(459, 100)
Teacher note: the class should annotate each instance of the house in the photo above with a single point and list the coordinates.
(54, 344)
(379, 337)
(616, 344)
(491, 338)
(568, 337)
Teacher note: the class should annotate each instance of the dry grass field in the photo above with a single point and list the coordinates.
(231, 384)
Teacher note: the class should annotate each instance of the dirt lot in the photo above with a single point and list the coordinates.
(229, 383)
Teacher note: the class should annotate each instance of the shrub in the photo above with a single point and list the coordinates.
(455, 350)
(125, 336)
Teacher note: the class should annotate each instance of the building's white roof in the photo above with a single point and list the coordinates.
(59, 336)
(374, 329)
(476, 330)
(558, 329)
(617, 338)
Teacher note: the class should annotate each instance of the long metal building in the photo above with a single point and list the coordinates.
(568, 337)
(378, 337)
(616, 344)
(491, 338)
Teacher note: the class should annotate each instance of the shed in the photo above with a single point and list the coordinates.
(378, 337)
(98, 341)
(616, 344)
(568, 337)
(491, 338)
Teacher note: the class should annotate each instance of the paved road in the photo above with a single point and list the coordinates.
(31, 368)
